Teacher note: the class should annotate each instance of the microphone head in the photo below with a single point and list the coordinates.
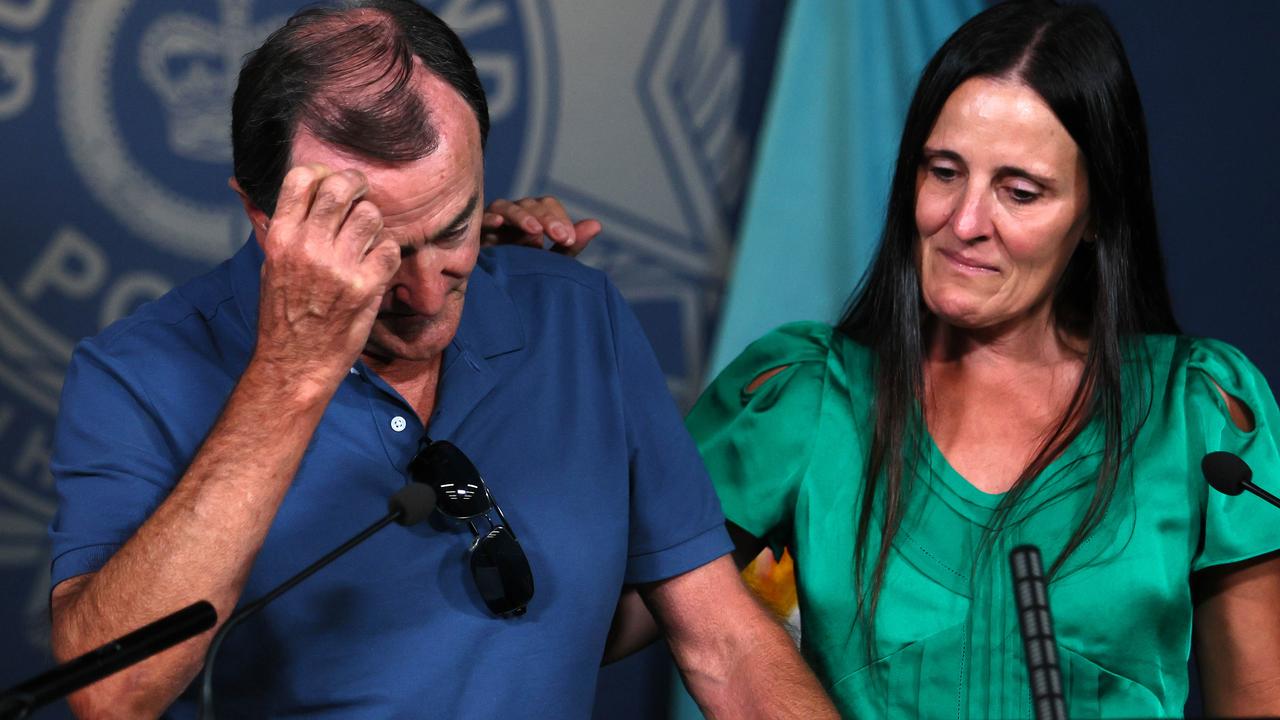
(1226, 472)
(413, 503)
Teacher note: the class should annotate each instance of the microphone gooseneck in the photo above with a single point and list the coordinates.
(1036, 625)
(1229, 474)
(410, 505)
(17, 702)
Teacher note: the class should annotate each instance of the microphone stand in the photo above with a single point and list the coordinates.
(18, 701)
(1038, 643)
(412, 504)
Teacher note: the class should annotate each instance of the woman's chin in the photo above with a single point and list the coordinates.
(960, 311)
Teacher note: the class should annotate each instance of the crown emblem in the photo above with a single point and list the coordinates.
(192, 63)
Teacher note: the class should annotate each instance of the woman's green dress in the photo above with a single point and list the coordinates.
(788, 462)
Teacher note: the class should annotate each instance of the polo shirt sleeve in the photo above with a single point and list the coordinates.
(675, 519)
(112, 465)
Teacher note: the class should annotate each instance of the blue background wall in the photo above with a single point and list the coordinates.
(1208, 77)
(639, 113)
(113, 131)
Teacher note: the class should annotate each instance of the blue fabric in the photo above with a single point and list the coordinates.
(549, 387)
(816, 203)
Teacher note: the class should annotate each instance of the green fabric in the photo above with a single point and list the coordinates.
(788, 460)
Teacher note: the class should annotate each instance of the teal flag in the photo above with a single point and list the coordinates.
(846, 70)
(844, 77)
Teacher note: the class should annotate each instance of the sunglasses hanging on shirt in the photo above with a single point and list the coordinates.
(498, 564)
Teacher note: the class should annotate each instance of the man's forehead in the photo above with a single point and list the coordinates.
(447, 177)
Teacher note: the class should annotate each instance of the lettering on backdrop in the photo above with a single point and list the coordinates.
(25, 505)
(136, 104)
(18, 59)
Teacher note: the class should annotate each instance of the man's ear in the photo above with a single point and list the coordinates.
(259, 219)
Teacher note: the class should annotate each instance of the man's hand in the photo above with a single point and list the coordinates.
(529, 221)
(323, 280)
(326, 271)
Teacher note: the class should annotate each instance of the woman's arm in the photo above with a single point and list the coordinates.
(1237, 635)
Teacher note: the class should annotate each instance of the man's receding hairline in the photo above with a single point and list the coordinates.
(421, 75)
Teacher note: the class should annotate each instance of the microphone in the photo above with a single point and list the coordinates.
(411, 505)
(1230, 475)
(18, 701)
(1036, 625)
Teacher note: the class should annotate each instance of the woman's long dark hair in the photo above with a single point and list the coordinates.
(1112, 289)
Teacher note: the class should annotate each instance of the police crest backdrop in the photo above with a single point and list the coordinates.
(114, 117)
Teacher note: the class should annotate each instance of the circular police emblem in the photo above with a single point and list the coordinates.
(115, 126)
(134, 72)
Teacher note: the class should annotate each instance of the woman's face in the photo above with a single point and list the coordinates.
(1001, 202)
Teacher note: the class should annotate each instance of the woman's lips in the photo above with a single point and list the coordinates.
(966, 264)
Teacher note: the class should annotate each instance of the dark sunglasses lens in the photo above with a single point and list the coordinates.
(459, 490)
(501, 572)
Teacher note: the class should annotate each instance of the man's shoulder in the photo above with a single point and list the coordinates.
(549, 299)
(179, 317)
(514, 265)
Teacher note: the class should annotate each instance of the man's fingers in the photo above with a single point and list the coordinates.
(380, 262)
(360, 230)
(296, 192)
(334, 198)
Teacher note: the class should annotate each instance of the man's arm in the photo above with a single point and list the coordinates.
(1237, 628)
(320, 294)
(633, 627)
(736, 660)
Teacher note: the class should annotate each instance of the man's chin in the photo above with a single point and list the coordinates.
(426, 342)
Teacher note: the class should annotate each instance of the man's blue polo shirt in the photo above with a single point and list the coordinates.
(549, 387)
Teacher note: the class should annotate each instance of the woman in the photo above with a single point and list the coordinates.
(1010, 373)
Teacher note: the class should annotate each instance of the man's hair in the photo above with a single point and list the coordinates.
(344, 74)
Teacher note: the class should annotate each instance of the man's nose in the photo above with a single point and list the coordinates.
(422, 285)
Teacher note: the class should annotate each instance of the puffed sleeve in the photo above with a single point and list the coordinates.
(1235, 527)
(756, 444)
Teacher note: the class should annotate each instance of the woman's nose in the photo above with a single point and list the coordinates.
(972, 218)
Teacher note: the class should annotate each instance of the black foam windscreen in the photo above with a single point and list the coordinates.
(413, 503)
(1226, 472)
(1031, 598)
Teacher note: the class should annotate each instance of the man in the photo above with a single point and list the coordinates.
(221, 438)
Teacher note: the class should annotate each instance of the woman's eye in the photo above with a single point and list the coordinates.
(944, 174)
(1022, 196)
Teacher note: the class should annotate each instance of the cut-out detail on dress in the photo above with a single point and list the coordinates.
(763, 378)
(1241, 413)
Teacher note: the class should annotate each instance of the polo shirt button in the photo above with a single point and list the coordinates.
(398, 424)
